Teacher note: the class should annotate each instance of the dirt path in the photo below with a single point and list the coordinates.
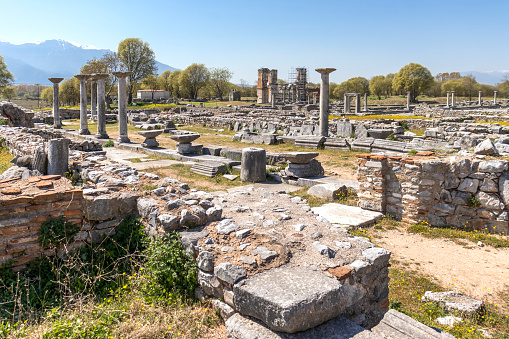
(480, 272)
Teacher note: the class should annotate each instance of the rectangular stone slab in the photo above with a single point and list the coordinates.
(347, 216)
(293, 299)
(239, 327)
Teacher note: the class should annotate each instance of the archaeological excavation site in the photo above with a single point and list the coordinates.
(291, 215)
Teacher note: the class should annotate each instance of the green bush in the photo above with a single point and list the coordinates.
(56, 232)
(108, 143)
(170, 269)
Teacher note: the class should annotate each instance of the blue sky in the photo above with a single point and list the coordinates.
(358, 38)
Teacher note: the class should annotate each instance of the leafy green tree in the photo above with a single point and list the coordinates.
(47, 95)
(174, 84)
(413, 78)
(69, 91)
(192, 79)
(136, 56)
(163, 81)
(470, 84)
(503, 89)
(8, 93)
(444, 77)
(6, 77)
(107, 63)
(389, 78)
(219, 81)
(377, 86)
(455, 85)
(332, 87)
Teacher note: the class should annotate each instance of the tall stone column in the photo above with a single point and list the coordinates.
(93, 97)
(56, 102)
(480, 98)
(101, 106)
(357, 103)
(83, 103)
(448, 99)
(452, 98)
(122, 106)
(273, 100)
(408, 100)
(494, 97)
(324, 100)
(365, 102)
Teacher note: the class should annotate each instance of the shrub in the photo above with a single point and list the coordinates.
(169, 267)
(109, 143)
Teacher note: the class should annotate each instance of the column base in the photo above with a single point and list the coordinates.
(84, 131)
(102, 136)
(57, 126)
(123, 139)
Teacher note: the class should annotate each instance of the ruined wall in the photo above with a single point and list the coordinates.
(467, 193)
(16, 115)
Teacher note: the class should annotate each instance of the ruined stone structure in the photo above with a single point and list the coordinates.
(466, 193)
(16, 116)
(262, 89)
(234, 95)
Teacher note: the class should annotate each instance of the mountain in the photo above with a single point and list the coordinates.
(32, 63)
(488, 77)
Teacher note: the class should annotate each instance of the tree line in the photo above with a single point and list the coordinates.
(417, 80)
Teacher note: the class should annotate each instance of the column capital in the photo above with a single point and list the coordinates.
(121, 74)
(55, 80)
(325, 70)
(82, 77)
(99, 76)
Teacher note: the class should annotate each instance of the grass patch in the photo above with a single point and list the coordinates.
(454, 234)
(312, 200)
(406, 289)
(5, 157)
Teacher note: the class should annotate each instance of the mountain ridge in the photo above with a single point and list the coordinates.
(35, 62)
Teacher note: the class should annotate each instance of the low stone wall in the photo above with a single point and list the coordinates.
(467, 193)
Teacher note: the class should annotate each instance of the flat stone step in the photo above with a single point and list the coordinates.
(293, 299)
(240, 327)
(209, 169)
(347, 216)
(398, 325)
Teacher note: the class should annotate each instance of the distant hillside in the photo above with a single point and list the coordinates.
(488, 77)
(33, 63)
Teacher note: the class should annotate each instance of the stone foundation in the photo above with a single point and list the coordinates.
(467, 193)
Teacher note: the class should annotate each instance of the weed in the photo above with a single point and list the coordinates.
(134, 160)
(56, 232)
(108, 143)
(473, 201)
(149, 187)
(412, 152)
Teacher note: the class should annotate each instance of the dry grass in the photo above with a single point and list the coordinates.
(5, 158)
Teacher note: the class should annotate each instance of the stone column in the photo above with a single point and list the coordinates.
(494, 97)
(273, 100)
(56, 103)
(452, 98)
(101, 106)
(357, 103)
(122, 106)
(83, 103)
(365, 102)
(58, 156)
(407, 101)
(253, 165)
(324, 100)
(93, 98)
(480, 98)
(448, 99)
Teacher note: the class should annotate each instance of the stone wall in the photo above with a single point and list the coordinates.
(16, 116)
(469, 193)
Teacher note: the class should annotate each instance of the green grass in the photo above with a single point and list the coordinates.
(455, 234)
(5, 157)
(312, 200)
(406, 289)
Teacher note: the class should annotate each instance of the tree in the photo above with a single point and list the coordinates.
(444, 77)
(470, 85)
(455, 85)
(136, 56)
(219, 80)
(163, 81)
(413, 78)
(8, 93)
(70, 91)
(107, 63)
(150, 82)
(174, 84)
(47, 95)
(192, 79)
(377, 86)
(5, 76)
